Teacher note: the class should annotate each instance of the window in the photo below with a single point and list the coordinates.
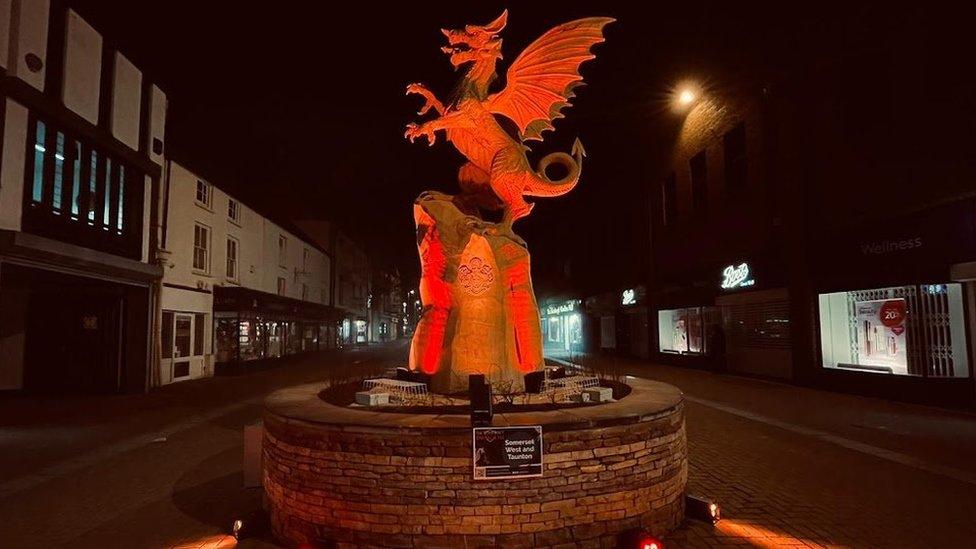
(736, 171)
(690, 330)
(699, 182)
(304, 292)
(281, 286)
(73, 193)
(305, 254)
(680, 331)
(234, 211)
(201, 248)
(232, 258)
(204, 193)
(199, 333)
(167, 335)
(916, 330)
(282, 250)
(669, 200)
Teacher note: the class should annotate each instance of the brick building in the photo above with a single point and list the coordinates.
(815, 223)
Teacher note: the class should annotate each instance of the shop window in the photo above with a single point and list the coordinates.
(199, 333)
(681, 331)
(669, 200)
(555, 329)
(734, 144)
(232, 246)
(226, 337)
(201, 248)
(916, 330)
(699, 182)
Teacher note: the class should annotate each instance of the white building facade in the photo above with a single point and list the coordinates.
(81, 160)
(237, 287)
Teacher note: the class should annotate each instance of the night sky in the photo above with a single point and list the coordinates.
(298, 108)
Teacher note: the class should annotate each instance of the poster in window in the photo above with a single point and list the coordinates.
(880, 327)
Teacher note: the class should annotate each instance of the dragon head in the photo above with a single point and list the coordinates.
(475, 43)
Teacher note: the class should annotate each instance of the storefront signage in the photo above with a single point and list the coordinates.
(629, 297)
(889, 246)
(736, 277)
(566, 307)
(507, 452)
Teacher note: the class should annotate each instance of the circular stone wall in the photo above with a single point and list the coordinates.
(379, 479)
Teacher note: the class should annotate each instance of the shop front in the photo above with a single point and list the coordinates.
(620, 322)
(251, 326)
(733, 316)
(894, 306)
(562, 326)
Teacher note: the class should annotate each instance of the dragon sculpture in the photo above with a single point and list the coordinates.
(539, 83)
(480, 315)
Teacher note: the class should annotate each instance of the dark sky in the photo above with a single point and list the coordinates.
(298, 108)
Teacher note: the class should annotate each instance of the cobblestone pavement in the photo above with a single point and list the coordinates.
(827, 470)
(789, 466)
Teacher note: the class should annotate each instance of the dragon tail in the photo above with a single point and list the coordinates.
(541, 185)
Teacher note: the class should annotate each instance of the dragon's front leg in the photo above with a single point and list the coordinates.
(430, 128)
(430, 100)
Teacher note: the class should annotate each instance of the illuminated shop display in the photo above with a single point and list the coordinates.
(916, 330)
(251, 325)
(681, 331)
(562, 326)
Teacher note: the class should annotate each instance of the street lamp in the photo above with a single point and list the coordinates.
(685, 95)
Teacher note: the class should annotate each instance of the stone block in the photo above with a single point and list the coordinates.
(598, 394)
(366, 398)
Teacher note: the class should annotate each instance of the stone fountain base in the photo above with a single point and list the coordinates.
(382, 479)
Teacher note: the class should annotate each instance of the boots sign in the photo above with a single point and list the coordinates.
(737, 276)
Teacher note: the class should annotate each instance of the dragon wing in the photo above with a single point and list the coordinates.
(541, 80)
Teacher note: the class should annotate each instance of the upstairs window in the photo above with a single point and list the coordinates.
(736, 172)
(281, 286)
(201, 248)
(204, 193)
(699, 182)
(75, 193)
(305, 255)
(234, 211)
(282, 250)
(231, 259)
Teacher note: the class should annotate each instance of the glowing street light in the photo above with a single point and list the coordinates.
(686, 97)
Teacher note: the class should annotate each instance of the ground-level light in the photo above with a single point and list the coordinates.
(702, 509)
(638, 538)
(236, 528)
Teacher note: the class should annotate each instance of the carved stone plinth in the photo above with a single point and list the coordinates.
(479, 311)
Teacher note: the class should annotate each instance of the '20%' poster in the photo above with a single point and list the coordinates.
(881, 334)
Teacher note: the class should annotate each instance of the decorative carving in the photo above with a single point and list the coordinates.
(475, 276)
(487, 319)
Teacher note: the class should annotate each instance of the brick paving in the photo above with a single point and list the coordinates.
(826, 470)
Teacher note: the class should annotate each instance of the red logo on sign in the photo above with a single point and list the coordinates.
(892, 313)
